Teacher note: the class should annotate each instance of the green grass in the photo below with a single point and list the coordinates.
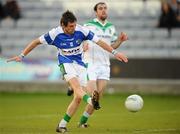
(22, 113)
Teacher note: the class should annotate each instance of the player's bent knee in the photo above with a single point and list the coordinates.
(79, 93)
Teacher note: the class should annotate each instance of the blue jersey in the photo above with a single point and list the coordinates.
(69, 46)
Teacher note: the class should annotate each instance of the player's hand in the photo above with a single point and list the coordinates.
(121, 57)
(85, 47)
(123, 37)
(15, 58)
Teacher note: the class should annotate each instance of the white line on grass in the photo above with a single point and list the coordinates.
(159, 130)
(31, 117)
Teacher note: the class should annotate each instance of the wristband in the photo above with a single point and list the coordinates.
(22, 55)
(114, 52)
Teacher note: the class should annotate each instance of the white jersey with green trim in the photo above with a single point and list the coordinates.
(106, 32)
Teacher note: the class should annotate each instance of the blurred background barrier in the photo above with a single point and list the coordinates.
(137, 86)
(146, 68)
(29, 70)
(153, 51)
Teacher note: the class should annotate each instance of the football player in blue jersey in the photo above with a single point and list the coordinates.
(67, 37)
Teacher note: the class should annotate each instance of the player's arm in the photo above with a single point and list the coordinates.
(27, 50)
(117, 55)
(122, 37)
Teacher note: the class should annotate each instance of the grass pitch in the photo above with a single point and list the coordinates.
(39, 113)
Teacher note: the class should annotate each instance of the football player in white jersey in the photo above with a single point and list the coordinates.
(68, 38)
(96, 57)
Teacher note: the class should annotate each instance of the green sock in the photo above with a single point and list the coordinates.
(86, 98)
(84, 118)
(67, 117)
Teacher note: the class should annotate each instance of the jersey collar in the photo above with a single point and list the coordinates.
(96, 20)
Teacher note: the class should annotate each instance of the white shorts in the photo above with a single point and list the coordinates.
(71, 70)
(96, 72)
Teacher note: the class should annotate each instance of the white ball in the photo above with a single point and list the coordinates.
(134, 103)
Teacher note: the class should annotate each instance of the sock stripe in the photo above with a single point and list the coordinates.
(67, 117)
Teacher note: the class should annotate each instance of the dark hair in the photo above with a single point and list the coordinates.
(67, 17)
(95, 7)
